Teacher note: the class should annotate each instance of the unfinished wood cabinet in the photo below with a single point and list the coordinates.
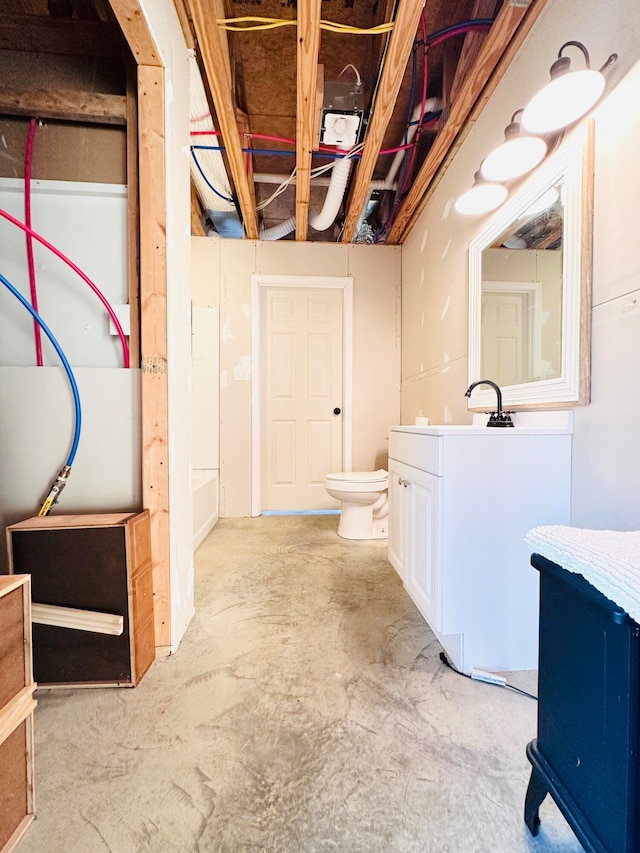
(95, 572)
(16, 711)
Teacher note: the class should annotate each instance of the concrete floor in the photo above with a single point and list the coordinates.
(305, 710)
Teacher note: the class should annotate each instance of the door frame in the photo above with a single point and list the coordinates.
(259, 283)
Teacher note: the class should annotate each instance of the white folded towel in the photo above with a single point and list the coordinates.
(608, 559)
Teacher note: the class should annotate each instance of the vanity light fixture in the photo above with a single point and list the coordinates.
(568, 96)
(518, 154)
(483, 197)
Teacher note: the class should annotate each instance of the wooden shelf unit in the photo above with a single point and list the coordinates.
(93, 562)
(17, 704)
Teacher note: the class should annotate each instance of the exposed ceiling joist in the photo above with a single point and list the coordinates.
(185, 23)
(395, 62)
(509, 30)
(39, 34)
(308, 46)
(89, 107)
(212, 42)
(471, 47)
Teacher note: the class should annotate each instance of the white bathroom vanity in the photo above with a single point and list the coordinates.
(462, 499)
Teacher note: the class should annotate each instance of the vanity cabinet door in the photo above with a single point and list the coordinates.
(398, 519)
(423, 583)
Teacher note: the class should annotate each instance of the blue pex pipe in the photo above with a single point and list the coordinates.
(65, 364)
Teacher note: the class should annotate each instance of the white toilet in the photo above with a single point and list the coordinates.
(365, 503)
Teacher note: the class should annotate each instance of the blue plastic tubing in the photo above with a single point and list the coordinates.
(65, 364)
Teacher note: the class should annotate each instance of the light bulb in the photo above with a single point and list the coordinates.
(515, 157)
(563, 101)
(481, 198)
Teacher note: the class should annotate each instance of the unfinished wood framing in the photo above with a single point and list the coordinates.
(586, 262)
(136, 31)
(471, 46)
(133, 214)
(185, 23)
(16, 711)
(153, 337)
(308, 46)
(395, 62)
(244, 129)
(69, 105)
(17, 704)
(197, 229)
(213, 45)
(509, 30)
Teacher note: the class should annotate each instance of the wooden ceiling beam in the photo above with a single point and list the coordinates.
(136, 31)
(214, 53)
(395, 62)
(185, 23)
(471, 45)
(86, 107)
(40, 34)
(510, 29)
(197, 228)
(308, 47)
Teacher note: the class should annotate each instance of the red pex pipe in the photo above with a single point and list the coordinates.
(28, 230)
(28, 157)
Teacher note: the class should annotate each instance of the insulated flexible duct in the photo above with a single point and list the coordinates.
(327, 216)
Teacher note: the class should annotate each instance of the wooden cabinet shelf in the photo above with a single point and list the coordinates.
(93, 563)
(16, 711)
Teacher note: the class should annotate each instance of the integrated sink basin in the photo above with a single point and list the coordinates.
(552, 423)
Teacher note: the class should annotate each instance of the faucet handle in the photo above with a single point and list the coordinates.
(502, 419)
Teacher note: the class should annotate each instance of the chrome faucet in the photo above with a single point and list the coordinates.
(496, 419)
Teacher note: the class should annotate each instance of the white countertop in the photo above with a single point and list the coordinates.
(526, 423)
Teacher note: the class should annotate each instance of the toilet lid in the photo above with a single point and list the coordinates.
(359, 476)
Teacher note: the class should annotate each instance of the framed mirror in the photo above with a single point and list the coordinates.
(530, 272)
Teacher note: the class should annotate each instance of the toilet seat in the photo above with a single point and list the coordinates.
(361, 480)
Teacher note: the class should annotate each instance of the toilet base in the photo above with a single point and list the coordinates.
(357, 521)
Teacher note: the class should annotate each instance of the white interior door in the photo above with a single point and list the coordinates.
(505, 343)
(302, 395)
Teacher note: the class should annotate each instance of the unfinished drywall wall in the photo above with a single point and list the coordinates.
(205, 350)
(376, 347)
(606, 485)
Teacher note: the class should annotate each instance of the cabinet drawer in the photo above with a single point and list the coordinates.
(418, 450)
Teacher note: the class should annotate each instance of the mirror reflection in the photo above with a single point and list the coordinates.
(521, 301)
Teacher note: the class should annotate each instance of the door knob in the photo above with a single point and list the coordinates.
(337, 410)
